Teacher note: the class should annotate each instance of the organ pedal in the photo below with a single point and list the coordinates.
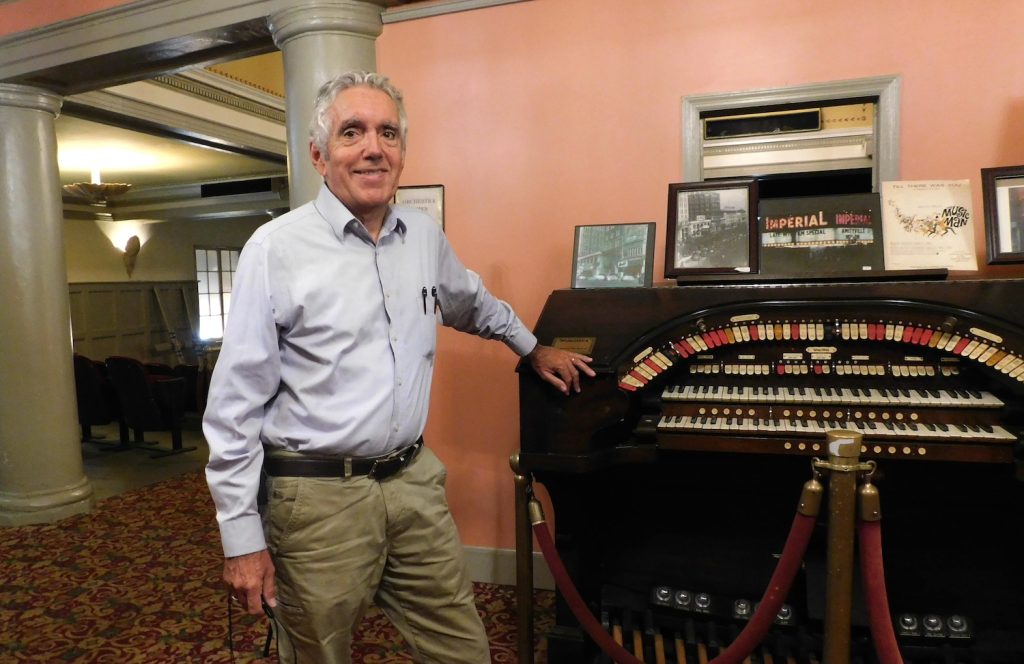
(680, 648)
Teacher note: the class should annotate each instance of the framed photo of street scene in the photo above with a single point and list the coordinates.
(819, 235)
(712, 229)
(1003, 195)
(427, 198)
(613, 256)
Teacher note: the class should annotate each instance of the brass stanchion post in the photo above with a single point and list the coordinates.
(843, 464)
(524, 563)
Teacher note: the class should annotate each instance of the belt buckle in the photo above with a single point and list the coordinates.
(385, 468)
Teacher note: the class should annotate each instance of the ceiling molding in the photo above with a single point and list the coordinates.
(136, 41)
(120, 110)
(227, 92)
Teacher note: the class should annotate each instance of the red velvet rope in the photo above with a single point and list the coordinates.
(873, 577)
(575, 602)
(753, 633)
(778, 588)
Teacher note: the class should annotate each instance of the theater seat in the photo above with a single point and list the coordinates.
(148, 402)
(189, 372)
(97, 400)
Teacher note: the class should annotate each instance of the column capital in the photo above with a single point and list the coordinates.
(354, 17)
(33, 98)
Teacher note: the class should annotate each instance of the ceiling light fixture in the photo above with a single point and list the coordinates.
(96, 191)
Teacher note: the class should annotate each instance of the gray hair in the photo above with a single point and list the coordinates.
(320, 127)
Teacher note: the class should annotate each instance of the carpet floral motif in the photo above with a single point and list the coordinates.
(138, 581)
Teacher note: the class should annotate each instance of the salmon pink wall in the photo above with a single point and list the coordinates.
(546, 114)
(22, 15)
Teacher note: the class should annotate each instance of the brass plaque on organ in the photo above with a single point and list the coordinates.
(582, 345)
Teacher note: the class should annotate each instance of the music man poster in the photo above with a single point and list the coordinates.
(928, 224)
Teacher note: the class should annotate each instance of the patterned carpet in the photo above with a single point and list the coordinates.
(138, 581)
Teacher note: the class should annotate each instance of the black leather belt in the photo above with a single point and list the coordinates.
(376, 468)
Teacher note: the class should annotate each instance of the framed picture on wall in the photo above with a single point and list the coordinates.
(426, 198)
(613, 256)
(1003, 195)
(818, 235)
(712, 228)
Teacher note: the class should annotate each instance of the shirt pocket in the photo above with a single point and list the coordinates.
(423, 336)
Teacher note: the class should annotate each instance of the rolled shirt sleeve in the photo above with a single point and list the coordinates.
(468, 306)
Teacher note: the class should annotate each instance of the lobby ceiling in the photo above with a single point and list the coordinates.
(151, 158)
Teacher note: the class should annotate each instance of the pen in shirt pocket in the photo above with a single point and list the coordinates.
(433, 294)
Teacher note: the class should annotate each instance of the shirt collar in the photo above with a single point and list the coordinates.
(343, 222)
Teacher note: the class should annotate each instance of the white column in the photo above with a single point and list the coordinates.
(41, 473)
(318, 40)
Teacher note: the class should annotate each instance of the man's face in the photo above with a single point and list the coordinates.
(364, 156)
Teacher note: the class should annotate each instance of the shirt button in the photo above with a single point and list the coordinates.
(395, 428)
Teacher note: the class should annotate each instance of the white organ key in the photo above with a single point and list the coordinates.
(987, 355)
(1002, 434)
(991, 401)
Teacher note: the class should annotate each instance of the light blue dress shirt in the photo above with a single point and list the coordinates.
(329, 345)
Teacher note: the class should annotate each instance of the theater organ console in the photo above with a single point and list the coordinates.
(674, 475)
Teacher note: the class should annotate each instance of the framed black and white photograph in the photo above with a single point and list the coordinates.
(426, 198)
(613, 256)
(1003, 194)
(810, 236)
(712, 228)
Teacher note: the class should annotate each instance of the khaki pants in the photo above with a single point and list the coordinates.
(338, 544)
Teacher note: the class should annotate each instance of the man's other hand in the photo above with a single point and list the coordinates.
(250, 580)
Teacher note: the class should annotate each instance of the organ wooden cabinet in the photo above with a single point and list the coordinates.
(675, 474)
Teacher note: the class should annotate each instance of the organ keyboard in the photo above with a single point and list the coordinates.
(833, 396)
(678, 466)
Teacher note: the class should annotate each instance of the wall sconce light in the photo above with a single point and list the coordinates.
(131, 252)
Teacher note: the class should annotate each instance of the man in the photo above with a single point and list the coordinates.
(323, 382)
